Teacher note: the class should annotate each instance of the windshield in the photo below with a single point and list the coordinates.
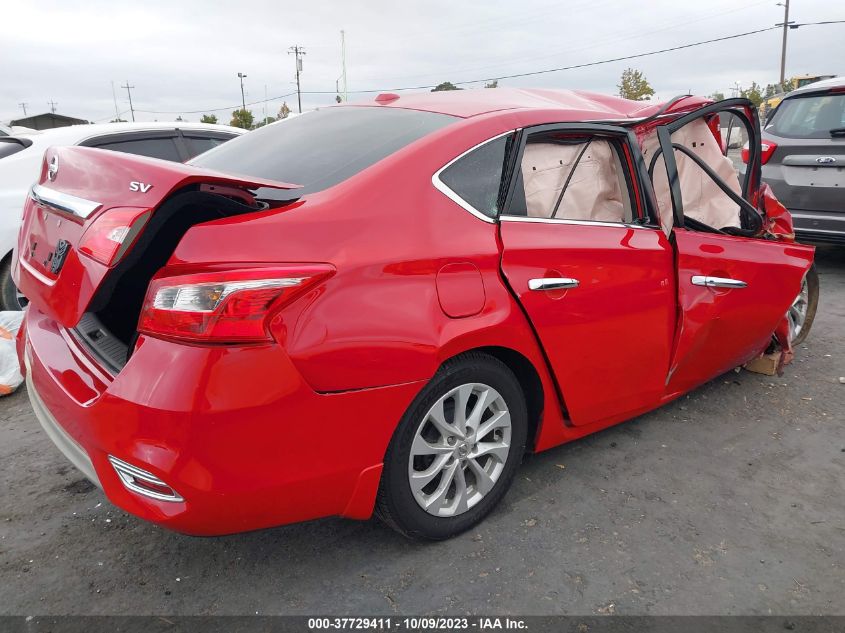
(808, 117)
(322, 148)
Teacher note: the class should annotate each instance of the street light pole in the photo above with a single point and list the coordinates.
(241, 76)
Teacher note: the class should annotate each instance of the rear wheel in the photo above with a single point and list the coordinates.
(802, 312)
(10, 297)
(456, 450)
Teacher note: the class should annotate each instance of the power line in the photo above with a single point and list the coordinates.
(516, 75)
(588, 64)
(204, 110)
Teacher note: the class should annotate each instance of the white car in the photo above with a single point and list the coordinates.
(20, 161)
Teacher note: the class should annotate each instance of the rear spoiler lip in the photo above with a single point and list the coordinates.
(74, 205)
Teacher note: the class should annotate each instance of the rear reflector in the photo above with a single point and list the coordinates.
(224, 307)
(111, 235)
(767, 148)
(143, 482)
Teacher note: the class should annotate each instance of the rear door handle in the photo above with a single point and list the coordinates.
(717, 282)
(552, 283)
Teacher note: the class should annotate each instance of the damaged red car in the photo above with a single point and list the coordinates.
(381, 307)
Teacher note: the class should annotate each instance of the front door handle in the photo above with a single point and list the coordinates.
(717, 282)
(552, 283)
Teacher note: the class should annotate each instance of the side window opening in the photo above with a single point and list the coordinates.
(707, 205)
(476, 177)
(569, 176)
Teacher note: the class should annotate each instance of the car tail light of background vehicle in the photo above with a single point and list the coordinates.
(224, 306)
(767, 148)
(111, 235)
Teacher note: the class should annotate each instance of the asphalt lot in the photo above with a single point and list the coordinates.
(728, 501)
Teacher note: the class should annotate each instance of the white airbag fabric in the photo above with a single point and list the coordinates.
(703, 200)
(594, 191)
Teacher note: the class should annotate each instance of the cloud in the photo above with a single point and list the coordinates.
(184, 57)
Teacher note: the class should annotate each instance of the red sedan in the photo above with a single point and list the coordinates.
(381, 307)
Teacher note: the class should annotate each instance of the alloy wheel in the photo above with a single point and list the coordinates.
(797, 314)
(460, 449)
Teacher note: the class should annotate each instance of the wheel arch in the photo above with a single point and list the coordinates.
(526, 375)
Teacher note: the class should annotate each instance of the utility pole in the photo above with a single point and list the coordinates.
(114, 97)
(241, 76)
(129, 92)
(53, 105)
(23, 105)
(783, 46)
(298, 51)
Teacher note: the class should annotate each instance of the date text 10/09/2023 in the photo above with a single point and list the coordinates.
(479, 623)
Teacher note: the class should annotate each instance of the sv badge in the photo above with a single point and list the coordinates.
(139, 186)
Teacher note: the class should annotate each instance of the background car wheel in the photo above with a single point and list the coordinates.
(10, 298)
(802, 312)
(455, 451)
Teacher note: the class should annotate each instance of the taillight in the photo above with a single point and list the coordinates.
(111, 234)
(767, 148)
(230, 306)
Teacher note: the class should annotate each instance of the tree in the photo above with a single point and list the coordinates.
(265, 121)
(446, 85)
(754, 94)
(492, 84)
(208, 118)
(284, 111)
(118, 121)
(242, 118)
(634, 86)
(718, 96)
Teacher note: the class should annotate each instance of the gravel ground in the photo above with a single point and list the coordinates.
(728, 501)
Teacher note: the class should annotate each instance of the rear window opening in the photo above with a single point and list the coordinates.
(322, 148)
(109, 327)
(10, 145)
(814, 116)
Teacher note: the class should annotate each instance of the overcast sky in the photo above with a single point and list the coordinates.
(183, 57)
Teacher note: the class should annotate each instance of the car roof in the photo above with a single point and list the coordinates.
(474, 102)
(73, 134)
(824, 84)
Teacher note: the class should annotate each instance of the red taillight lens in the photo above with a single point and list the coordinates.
(230, 306)
(111, 234)
(767, 148)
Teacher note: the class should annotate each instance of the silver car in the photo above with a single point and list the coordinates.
(803, 155)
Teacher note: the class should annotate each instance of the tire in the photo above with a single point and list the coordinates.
(9, 299)
(477, 461)
(812, 280)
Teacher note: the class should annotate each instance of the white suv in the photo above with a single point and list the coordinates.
(20, 161)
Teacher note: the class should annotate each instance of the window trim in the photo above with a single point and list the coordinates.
(452, 195)
(642, 206)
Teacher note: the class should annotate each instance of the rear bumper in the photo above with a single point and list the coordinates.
(235, 431)
(803, 203)
(821, 226)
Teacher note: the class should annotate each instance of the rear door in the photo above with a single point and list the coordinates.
(592, 270)
(733, 289)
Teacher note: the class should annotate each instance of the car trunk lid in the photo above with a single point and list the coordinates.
(84, 214)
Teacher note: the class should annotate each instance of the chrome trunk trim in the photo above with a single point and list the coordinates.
(80, 207)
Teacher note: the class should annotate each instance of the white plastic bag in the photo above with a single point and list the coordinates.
(10, 371)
